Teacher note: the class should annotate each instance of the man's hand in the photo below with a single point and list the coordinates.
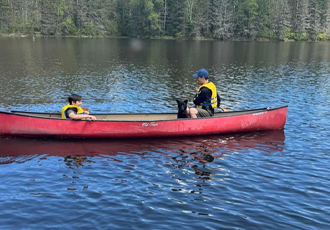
(223, 109)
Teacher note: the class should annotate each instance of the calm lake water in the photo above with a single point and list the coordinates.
(262, 180)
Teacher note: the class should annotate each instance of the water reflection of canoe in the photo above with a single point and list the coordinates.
(269, 140)
(140, 125)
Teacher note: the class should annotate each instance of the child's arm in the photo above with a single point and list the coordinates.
(81, 116)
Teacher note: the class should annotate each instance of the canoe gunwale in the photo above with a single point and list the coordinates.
(223, 114)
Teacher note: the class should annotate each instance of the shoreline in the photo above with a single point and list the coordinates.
(13, 35)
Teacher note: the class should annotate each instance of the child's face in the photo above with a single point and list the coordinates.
(77, 103)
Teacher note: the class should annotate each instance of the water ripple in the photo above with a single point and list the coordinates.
(261, 180)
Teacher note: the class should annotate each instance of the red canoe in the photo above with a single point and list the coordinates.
(17, 123)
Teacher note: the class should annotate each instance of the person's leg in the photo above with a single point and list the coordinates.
(192, 112)
(202, 113)
(188, 112)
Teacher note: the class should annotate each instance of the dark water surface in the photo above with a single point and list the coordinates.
(261, 180)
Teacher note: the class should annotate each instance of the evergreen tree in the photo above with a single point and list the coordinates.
(222, 19)
(246, 18)
(280, 18)
(174, 25)
(4, 15)
(48, 18)
(123, 17)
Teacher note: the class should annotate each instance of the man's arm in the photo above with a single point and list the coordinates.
(202, 95)
(218, 100)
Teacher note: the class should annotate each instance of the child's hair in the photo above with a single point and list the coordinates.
(74, 98)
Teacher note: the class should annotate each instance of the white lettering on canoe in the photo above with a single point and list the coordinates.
(256, 114)
(149, 124)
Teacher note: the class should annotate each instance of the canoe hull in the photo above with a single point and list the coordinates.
(12, 124)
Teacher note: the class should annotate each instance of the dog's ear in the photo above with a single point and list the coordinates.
(185, 101)
(177, 101)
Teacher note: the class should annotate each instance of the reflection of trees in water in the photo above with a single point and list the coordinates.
(201, 154)
(74, 160)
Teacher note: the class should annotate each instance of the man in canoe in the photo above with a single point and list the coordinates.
(74, 111)
(206, 98)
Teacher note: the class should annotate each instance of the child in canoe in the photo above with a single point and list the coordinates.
(74, 111)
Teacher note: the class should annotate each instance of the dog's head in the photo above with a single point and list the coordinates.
(182, 104)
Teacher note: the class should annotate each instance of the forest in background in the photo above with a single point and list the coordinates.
(201, 19)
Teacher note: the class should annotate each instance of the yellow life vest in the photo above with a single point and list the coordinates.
(213, 100)
(68, 106)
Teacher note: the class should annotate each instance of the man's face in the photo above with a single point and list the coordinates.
(200, 80)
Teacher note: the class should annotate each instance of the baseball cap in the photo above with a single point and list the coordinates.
(201, 73)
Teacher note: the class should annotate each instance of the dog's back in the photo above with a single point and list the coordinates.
(182, 108)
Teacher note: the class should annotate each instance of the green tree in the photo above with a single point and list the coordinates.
(222, 19)
(138, 19)
(190, 23)
(175, 21)
(48, 17)
(4, 15)
(264, 22)
(280, 18)
(53, 17)
(246, 19)
(145, 21)
(153, 22)
(123, 12)
(68, 27)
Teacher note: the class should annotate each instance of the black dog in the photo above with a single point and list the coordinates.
(182, 108)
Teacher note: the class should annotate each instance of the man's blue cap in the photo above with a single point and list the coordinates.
(201, 73)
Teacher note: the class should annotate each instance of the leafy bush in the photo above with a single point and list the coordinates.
(322, 36)
(68, 27)
(288, 34)
(89, 29)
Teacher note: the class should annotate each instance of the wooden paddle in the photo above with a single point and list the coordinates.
(85, 109)
(225, 110)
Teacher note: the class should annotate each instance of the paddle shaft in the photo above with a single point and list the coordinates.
(225, 110)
